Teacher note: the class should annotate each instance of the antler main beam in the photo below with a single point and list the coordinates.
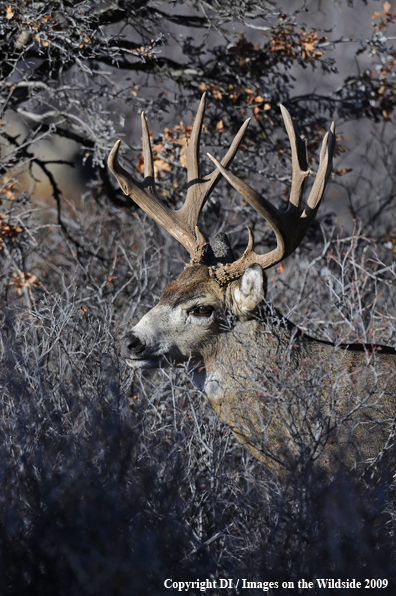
(181, 223)
(289, 226)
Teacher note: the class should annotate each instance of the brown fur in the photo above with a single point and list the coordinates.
(189, 285)
(290, 399)
(281, 388)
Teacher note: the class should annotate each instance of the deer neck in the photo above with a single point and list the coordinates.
(242, 348)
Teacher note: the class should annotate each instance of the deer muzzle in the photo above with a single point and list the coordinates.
(135, 352)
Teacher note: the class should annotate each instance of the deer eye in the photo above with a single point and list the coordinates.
(202, 310)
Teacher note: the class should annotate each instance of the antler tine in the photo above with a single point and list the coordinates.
(324, 171)
(192, 148)
(199, 189)
(300, 169)
(289, 226)
(149, 175)
(149, 202)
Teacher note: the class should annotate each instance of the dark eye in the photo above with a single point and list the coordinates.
(201, 311)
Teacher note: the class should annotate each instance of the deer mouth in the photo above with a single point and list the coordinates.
(136, 353)
(142, 362)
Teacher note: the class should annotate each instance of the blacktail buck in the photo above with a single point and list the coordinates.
(286, 396)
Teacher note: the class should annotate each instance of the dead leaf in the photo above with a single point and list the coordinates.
(140, 166)
(161, 166)
(219, 126)
(387, 7)
(341, 172)
(23, 280)
(182, 158)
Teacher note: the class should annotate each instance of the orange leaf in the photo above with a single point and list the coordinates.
(203, 87)
(342, 172)
(182, 158)
(161, 166)
(258, 98)
(219, 126)
(140, 166)
(387, 7)
(375, 15)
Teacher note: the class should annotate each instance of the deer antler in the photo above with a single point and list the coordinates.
(290, 226)
(182, 223)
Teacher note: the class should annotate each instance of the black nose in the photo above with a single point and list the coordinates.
(131, 345)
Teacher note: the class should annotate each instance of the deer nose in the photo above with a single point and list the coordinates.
(131, 345)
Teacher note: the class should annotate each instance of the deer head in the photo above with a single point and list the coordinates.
(188, 318)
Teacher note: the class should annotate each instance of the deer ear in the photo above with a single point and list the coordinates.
(250, 290)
